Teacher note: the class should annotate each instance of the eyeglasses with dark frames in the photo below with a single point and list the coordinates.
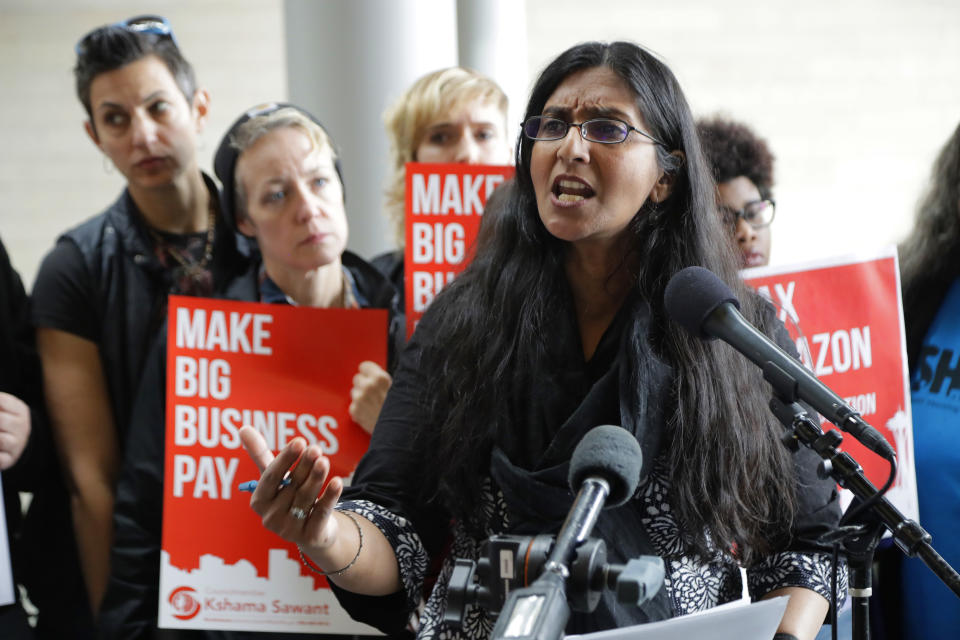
(155, 25)
(602, 130)
(758, 214)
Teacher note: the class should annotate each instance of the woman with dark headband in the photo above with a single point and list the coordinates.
(555, 327)
(100, 294)
(282, 186)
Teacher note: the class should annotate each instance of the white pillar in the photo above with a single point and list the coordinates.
(492, 39)
(346, 61)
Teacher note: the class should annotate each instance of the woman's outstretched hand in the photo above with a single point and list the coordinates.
(293, 511)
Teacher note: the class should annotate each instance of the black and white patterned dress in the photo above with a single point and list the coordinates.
(691, 584)
(555, 414)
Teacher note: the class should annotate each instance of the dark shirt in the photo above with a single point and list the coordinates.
(559, 399)
(106, 282)
(21, 377)
(390, 264)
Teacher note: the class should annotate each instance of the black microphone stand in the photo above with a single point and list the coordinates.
(878, 512)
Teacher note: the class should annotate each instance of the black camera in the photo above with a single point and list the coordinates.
(510, 562)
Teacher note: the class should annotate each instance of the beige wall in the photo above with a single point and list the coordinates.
(51, 176)
(855, 98)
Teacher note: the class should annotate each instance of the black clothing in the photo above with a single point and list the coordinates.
(104, 282)
(20, 376)
(390, 264)
(131, 602)
(558, 398)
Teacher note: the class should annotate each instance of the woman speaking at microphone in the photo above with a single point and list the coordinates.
(558, 326)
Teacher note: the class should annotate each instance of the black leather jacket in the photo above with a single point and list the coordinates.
(129, 293)
(132, 289)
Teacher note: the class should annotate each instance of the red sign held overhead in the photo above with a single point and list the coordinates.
(444, 206)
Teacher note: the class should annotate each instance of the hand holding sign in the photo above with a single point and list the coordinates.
(293, 511)
(14, 429)
(370, 387)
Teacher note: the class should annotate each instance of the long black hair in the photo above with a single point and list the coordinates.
(928, 257)
(730, 476)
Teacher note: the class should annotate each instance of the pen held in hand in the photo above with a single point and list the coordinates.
(250, 485)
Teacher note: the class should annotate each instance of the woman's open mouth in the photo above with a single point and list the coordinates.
(569, 190)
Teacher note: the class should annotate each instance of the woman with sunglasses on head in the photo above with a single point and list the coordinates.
(449, 115)
(742, 165)
(100, 294)
(555, 327)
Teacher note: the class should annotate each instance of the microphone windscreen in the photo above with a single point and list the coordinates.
(612, 453)
(692, 295)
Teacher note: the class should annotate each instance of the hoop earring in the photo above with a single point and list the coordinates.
(107, 164)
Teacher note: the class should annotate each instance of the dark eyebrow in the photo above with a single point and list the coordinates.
(105, 106)
(556, 112)
(150, 98)
(609, 112)
(156, 94)
(591, 113)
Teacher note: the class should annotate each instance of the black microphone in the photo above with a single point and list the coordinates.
(604, 469)
(699, 301)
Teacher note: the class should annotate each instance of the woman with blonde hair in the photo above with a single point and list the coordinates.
(449, 115)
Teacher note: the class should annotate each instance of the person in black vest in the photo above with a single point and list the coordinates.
(100, 294)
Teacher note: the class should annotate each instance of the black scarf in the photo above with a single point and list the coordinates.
(557, 401)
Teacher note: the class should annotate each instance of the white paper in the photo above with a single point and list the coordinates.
(737, 621)
(6, 572)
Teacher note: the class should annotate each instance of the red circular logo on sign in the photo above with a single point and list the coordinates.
(185, 602)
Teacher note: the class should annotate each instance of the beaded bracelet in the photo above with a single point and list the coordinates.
(310, 565)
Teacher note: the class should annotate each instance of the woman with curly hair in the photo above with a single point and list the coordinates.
(742, 166)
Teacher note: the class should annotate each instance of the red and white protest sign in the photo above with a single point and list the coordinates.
(287, 371)
(443, 209)
(846, 319)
